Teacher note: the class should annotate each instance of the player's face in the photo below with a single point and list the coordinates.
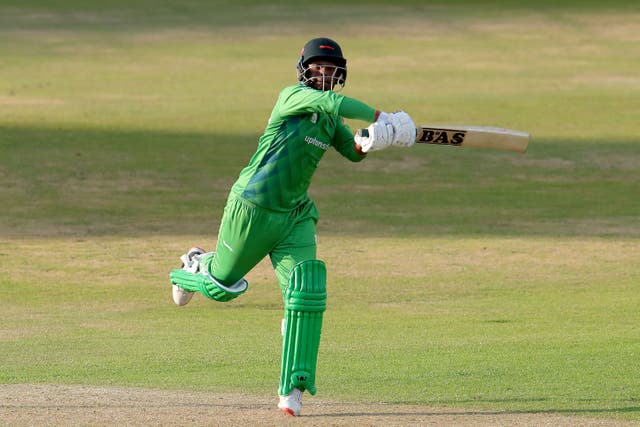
(325, 75)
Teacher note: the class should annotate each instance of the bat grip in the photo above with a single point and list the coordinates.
(364, 132)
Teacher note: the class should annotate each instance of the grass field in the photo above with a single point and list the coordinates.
(458, 278)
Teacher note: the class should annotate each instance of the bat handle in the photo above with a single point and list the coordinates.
(364, 132)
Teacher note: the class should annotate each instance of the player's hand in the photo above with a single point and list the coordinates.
(377, 136)
(389, 129)
(404, 128)
(384, 118)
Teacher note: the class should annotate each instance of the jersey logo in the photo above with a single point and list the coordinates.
(314, 118)
(313, 141)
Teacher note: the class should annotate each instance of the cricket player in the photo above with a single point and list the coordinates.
(268, 211)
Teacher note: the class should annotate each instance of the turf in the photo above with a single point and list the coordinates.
(464, 278)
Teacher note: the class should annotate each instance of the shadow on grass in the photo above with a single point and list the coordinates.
(436, 412)
(88, 182)
(367, 408)
(153, 15)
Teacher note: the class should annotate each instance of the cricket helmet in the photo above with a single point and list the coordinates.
(322, 49)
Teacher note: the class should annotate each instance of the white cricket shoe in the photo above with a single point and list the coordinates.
(190, 263)
(180, 296)
(291, 404)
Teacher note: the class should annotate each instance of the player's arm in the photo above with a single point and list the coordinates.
(351, 108)
(388, 128)
(298, 100)
(345, 145)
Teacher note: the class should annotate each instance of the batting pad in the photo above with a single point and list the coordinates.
(304, 304)
(207, 285)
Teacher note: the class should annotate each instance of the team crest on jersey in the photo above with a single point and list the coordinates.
(314, 118)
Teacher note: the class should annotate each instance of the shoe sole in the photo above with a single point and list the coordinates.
(288, 411)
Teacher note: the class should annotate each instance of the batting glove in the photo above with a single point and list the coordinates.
(404, 129)
(377, 136)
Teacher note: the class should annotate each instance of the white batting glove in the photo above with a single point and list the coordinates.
(377, 136)
(404, 128)
(384, 118)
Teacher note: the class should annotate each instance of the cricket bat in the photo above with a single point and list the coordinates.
(472, 136)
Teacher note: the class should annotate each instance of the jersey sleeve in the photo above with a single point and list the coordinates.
(296, 100)
(353, 109)
(343, 143)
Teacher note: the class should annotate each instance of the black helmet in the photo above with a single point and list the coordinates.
(321, 49)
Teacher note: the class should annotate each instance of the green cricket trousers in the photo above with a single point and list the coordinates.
(249, 232)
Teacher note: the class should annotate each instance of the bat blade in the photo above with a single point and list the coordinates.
(474, 136)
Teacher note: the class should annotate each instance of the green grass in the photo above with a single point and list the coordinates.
(462, 278)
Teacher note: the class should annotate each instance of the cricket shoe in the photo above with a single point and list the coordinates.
(291, 404)
(190, 263)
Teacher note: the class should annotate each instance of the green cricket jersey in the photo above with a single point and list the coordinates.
(304, 124)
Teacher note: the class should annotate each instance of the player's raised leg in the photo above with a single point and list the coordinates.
(246, 236)
(195, 276)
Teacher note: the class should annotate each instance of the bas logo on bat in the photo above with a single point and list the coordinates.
(441, 136)
(470, 136)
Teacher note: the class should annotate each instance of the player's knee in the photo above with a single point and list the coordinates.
(307, 290)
